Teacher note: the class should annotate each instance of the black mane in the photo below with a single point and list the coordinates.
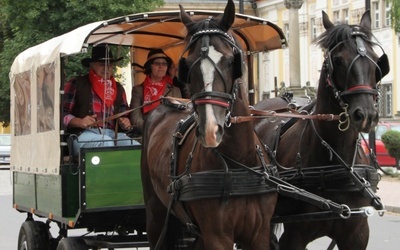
(341, 33)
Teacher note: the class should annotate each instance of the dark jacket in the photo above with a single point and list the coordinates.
(137, 118)
(83, 100)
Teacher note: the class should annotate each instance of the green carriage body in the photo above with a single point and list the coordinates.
(102, 193)
(82, 196)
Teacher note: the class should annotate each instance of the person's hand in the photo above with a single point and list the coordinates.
(88, 121)
(124, 123)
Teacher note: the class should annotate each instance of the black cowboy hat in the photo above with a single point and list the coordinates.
(100, 53)
(154, 54)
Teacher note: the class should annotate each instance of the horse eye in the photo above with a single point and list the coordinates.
(231, 61)
(337, 61)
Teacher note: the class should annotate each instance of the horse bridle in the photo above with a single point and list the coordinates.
(222, 99)
(344, 121)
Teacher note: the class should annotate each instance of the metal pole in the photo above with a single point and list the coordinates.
(241, 7)
(371, 136)
(294, 43)
(367, 5)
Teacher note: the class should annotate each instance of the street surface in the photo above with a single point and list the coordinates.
(384, 231)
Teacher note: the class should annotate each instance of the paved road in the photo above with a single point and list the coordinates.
(384, 235)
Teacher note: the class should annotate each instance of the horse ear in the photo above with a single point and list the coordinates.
(228, 17)
(185, 18)
(325, 20)
(366, 20)
(384, 68)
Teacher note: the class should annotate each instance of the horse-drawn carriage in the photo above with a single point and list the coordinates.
(201, 179)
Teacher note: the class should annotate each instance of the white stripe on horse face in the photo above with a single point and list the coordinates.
(208, 68)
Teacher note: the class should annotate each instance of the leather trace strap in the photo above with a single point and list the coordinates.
(261, 114)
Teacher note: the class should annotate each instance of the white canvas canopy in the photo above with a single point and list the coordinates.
(36, 76)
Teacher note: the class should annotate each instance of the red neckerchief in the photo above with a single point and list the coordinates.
(152, 91)
(108, 94)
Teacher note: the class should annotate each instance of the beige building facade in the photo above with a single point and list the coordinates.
(310, 27)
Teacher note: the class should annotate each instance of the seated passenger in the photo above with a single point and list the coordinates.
(160, 81)
(92, 98)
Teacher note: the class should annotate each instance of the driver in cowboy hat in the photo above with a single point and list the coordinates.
(93, 97)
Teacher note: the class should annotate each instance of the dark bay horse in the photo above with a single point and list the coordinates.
(323, 156)
(204, 176)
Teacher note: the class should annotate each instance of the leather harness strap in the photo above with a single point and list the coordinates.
(261, 114)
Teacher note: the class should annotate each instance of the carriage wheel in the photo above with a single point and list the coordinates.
(72, 244)
(33, 235)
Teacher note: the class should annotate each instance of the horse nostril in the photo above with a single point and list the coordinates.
(220, 132)
(358, 115)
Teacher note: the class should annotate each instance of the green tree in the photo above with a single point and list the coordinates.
(395, 15)
(391, 140)
(25, 23)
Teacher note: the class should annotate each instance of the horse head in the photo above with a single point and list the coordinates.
(212, 65)
(352, 72)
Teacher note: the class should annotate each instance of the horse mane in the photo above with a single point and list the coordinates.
(340, 33)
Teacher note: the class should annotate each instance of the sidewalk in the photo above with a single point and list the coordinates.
(389, 192)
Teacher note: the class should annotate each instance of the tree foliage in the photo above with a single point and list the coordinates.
(395, 15)
(391, 140)
(25, 23)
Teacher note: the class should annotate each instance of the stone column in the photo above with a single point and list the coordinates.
(294, 43)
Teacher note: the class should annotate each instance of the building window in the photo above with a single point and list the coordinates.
(335, 3)
(286, 30)
(376, 15)
(388, 6)
(336, 17)
(385, 107)
(313, 29)
(345, 15)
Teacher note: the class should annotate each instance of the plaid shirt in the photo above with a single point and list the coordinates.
(98, 107)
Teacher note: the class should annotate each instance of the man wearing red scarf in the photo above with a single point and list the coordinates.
(159, 81)
(94, 97)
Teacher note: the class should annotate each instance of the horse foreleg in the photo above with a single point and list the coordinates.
(294, 238)
(216, 242)
(354, 234)
(154, 223)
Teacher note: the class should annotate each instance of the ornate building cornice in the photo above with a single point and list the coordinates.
(295, 4)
